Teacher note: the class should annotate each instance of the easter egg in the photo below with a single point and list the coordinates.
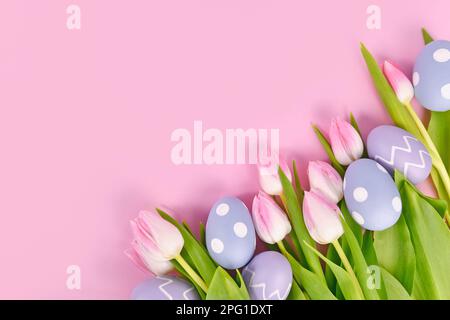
(164, 288)
(371, 195)
(395, 148)
(230, 234)
(431, 77)
(268, 276)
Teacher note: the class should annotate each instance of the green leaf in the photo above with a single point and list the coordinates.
(426, 36)
(327, 147)
(223, 287)
(392, 243)
(183, 273)
(372, 259)
(394, 107)
(394, 289)
(313, 285)
(440, 134)
(430, 237)
(360, 264)
(349, 290)
(440, 188)
(354, 226)
(202, 234)
(241, 283)
(198, 254)
(354, 123)
(296, 292)
(333, 256)
(298, 224)
(298, 186)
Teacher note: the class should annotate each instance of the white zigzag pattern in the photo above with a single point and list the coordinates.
(263, 286)
(161, 287)
(185, 293)
(168, 282)
(408, 149)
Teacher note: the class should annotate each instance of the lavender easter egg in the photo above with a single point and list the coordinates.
(230, 234)
(164, 288)
(431, 77)
(268, 276)
(395, 148)
(371, 195)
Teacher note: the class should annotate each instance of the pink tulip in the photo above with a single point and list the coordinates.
(155, 237)
(322, 218)
(269, 179)
(324, 179)
(345, 141)
(271, 223)
(144, 261)
(400, 83)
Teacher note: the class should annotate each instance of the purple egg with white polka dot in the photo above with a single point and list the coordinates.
(371, 195)
(395, 148)
(230, 234)
(431, 76)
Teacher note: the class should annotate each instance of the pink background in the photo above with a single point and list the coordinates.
(86, 116)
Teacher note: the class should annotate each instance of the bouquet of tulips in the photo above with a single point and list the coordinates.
(362, 231)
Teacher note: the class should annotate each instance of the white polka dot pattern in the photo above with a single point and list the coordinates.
(222, 209)
(217, 245)
(360, 194)
(240, 229)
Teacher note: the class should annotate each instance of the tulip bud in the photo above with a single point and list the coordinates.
(271, 223)
(345, 141)
(324, 179)
(322, 218)
(157, 238)
(400, 83)
(143, 261)
(269, 179)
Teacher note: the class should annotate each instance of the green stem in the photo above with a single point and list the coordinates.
(438, 164)
(282, 248)
(348, 267)
(194, 276)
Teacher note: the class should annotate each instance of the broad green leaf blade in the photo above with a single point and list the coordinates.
(439, 131)
(241, 283)
(296, 217)
(394, 107)
(198, 254)
(296, 292)
(392, 243)
(181, 271)
(223, 287)
(349, 290)
(313, 285)
(394, 289)
(354, 226)
(372, 259)
(426, 36)
(332, 255)
(355, 125)
(327, 147)
(440, 188)
(360, 264)
(298, 186)
(431, 240)
(202, 234)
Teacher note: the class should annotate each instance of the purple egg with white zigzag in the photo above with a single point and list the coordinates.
(395, 148)
(268, 276)
(164, 288)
